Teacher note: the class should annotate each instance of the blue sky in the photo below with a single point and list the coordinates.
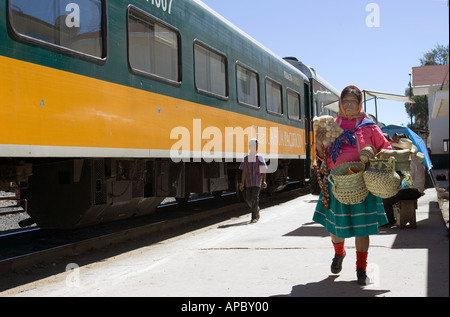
(333, 37)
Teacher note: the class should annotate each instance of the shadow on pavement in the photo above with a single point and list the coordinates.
(431, 234)
(310, 229)
(330, 288)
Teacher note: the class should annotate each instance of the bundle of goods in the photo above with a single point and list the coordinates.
(326, 126)
(402, 158)
(331, 129)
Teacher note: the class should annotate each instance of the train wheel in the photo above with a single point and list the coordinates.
(217, 194)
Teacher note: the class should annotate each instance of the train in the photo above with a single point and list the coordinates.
(109, 107)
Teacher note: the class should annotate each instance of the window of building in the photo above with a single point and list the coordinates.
(210, 71)
(446, 145)
(273, 97)
(293, 100)
(77, 26)
(247, 86)
(153, 47)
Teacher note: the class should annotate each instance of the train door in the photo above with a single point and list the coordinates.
(308, 129)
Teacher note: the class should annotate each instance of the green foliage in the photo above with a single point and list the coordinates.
(437, 56)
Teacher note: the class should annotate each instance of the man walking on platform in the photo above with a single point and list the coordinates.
(254, 170)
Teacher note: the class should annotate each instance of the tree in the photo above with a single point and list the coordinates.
(437, 56)
(419, 112)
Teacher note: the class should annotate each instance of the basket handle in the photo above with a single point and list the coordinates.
(330, 180)
(391, 163)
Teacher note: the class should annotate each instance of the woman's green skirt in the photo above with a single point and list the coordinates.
(345, 221)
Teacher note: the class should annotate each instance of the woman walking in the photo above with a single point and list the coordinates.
(358, 220)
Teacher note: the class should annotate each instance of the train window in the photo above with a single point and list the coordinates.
(210, 71)
(293, 101)
(153, 47)
(75, 26)
(273, 97)
(247, 86)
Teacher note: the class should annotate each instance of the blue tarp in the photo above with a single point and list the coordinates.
(417, 140)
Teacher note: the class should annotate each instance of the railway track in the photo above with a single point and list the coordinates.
(10, 204)
(32, 248)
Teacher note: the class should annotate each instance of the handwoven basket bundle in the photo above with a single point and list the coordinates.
(348, 189)
(402, 158)
(381, 179)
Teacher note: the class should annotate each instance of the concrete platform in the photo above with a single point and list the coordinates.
(442, 187)
(284, 254)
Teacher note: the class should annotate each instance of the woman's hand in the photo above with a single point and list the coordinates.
(319, 137)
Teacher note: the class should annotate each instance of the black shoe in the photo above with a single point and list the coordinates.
(362, 277)
(336, 265)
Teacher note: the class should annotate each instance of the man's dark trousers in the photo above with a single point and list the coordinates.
(252, 199)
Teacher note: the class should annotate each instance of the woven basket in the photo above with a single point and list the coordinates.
(381, 179)
(402, 158)
(348, 189)
(367, 153)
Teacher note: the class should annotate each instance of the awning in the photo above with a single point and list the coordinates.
(440, 104)
(369, 95)
(383, 95)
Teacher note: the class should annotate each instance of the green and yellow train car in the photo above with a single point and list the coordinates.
(109, 106)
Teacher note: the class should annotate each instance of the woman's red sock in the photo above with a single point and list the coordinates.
(339, 248)
(361, 260)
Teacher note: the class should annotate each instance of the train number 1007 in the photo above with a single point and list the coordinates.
(165, 5)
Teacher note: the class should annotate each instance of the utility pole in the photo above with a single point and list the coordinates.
(410, 96)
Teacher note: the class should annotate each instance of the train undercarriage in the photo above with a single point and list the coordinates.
(74, 193)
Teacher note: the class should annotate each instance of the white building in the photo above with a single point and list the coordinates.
(434, 82)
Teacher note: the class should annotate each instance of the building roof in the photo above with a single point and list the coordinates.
(433, 81)
(430, 75)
